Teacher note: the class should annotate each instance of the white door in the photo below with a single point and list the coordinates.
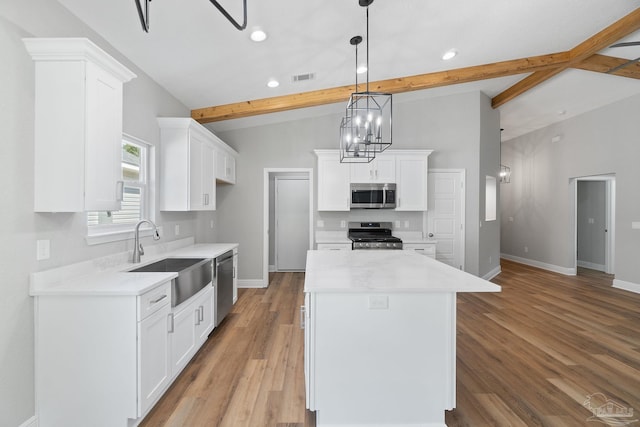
(292, 223)
(446, 216)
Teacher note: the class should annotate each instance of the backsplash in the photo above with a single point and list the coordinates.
(401, 221)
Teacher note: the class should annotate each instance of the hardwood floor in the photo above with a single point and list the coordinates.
(528, 356)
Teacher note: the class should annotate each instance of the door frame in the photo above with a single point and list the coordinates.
(610, 222)
(265, 216)
(463, 234)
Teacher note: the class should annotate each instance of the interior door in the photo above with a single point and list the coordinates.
(446, 217)
(292, 223)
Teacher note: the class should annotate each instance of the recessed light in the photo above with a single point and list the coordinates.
(361, 69)
(258, 35)
(449, 54)
(273, 83)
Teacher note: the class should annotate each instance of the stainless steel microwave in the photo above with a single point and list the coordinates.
(373, 196)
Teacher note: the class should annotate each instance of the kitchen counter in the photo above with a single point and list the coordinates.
(380, 337)
(388, 271)
(111, 276)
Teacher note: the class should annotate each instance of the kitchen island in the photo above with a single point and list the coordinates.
(380, 337)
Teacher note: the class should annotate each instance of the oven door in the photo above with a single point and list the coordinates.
(373, 196)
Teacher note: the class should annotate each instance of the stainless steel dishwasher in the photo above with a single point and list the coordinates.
(224, 285)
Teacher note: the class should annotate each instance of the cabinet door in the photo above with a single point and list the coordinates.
(196, 193)
(426, 249)
(412, 183)
(334, 246)
(103, 140)
(385, 169)
(153, 360)
(208, 177)
(333, 183)
(183, 338)
(230, 168)
(204, 315)
(309, 351)
(362, 172)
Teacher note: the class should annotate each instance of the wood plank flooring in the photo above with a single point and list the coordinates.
(528, 356)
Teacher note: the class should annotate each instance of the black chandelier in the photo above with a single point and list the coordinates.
(143, 14)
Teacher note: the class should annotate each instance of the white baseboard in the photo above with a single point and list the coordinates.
(252, 283)
(272, 268)
(543, 265)
(493, 273)
(627, 286)
(592, 266)
(31, 422)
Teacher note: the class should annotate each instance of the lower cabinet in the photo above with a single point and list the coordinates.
(105, 360)
(426, 249)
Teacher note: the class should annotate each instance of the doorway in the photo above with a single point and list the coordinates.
(595, 223)
(445, 220)
(288, 200)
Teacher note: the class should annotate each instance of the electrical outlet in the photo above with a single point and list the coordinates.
(510, 219)
(490, 259)
(635, 225)
(526, 249)
(43, 249)
(397, 224)
(343, 223)
(406, 224)
(176, 229)
(378, 302)
(211, 224)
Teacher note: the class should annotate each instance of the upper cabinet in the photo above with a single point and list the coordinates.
(190, 159)
(78, 125)
(382, 169)
(333, 181)
(406, 168)
(411, 180)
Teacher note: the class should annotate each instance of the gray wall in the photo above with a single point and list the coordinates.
(457, 127)
(591, 217)
(541, 195)
(19, 226)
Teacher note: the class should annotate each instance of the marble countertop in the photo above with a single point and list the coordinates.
(100, 277)
(386, 271)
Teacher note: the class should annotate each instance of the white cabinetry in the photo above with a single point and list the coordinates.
(100, 359)
(225, 166)
(78, 125)
(411, 180)
(426, 248)
(334, 246)
(187, 166)
(381, 169)
(191, 324)
(333, 181)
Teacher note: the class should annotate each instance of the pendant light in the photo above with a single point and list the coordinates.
(365, 130)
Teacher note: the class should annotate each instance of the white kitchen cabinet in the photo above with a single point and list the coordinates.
(187, 166)
(100, 359)
(78, 125)
(191, 324)
(425, 248)
(382, 169)
(411, 180)
(333, 181)
(225, 166)
(334, 246)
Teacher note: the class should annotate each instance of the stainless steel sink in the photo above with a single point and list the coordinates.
(193, 275)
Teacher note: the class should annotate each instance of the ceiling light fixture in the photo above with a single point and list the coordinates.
(258, 35)
(366, 127)
(449, 54)
(273, 83)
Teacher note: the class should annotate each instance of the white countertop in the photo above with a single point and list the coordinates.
(92, 278)
(386, 271)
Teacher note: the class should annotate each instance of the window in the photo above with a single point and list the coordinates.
(135, 166)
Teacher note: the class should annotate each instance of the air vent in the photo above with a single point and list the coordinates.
(303, 77)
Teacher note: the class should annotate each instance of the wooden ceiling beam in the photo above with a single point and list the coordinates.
(397, 85)
(602, 64)
(614, 32)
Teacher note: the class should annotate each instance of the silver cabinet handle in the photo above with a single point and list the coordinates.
(171, 325)
(197, 315)
(157, 300)
(201, 313)
(430, 234)
(120, 191)
(303, 311)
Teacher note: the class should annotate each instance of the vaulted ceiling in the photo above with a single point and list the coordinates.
(540, 62)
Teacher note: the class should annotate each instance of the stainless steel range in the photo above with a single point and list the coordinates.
(372, 235)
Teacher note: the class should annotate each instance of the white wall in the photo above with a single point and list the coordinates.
(19, 226)
(541, 195)
(454, 126)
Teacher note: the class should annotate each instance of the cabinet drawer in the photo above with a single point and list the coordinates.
(155, 299)
(334, 246)
(421, 248)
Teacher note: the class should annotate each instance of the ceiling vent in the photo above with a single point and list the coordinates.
(303, 77)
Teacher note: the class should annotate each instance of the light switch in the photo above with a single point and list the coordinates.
(635, 225)
(320, 223)
(176, 229)
(43, 249)
(343, 223)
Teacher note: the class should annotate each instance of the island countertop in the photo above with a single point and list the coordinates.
(386, 271)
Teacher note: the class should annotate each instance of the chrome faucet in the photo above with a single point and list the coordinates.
(137, 246)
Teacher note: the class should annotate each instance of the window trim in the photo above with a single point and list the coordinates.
(106, 233)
